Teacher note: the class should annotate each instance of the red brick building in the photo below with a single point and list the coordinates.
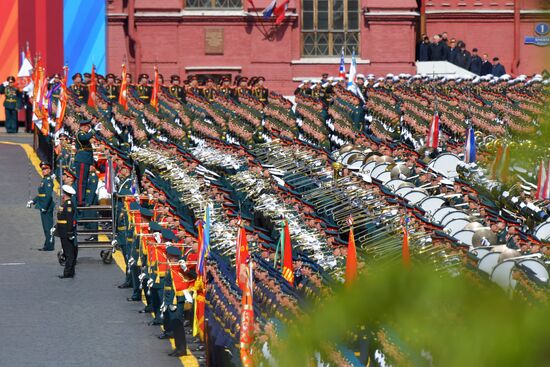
(230, 37)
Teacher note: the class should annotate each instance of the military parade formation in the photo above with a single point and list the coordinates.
(235, 207)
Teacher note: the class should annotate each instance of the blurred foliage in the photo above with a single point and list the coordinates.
(459, 322)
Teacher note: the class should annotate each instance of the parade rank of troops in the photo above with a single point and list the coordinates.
(143, 195)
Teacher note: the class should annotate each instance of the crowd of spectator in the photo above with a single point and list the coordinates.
(453, 51)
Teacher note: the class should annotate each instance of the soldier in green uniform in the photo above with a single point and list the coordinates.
(83, 159)
(11, 104)
(176, 90)
(90, 198)
(80, 90)
(112, 89)
(144, 91)
(209, 92)
(242, 88)
(65, 229)
(225, 88)
(54, 88)
(44, 202)
(260, 91)
(194, 85)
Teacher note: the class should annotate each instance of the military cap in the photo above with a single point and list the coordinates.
(87, 75)
(11, 78)
(110, 76)
(142, 76)
(155, 227)
(77, 75)
(84, 122)
(168, 234)
(193, 77)
(68, 172)
(225, 79)
(260, 78)
(324, 75)
(188, 228)
(209, 80)
(68, 189)
(173, 251)
(174, 77)
(45, 164)
(243, 79)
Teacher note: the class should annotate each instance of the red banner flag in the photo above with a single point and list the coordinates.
(433, 135)
(247, 318)
(288, 267)
(155, 94)
(62, 103)
(351, 259)
(92, 87)
(280, 12)
(241, 254)
(123, 96)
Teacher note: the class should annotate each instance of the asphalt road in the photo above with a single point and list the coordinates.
(46, 321)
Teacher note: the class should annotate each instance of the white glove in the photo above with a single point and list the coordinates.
(6, 83)
(157, 237)
(188, 296)
(131, 261)
(141, 276)
(163, 308)
(30, 203)
(98, 126)
(173, 307)
(52, 231)
(114, 243)
(183, 265)
(150, 283)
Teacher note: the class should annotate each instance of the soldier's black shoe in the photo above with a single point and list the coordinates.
(144, 311)
(124, 285)
(131, 299)
(165, 335)
(45, 249)
(155, 322)
(178, 353)
(65, 276)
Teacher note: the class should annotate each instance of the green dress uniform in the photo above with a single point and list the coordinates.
(44, 202)
(261, 93)
(178, 92)
(65, 230)
(81, 92)
(112, 92)
(90, 198)
(209, 94)
(144, 93)
(83, 159)
(11, 104)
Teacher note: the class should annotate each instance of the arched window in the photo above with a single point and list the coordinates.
(329, 25)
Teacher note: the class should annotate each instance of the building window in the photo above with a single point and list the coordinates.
(213, 4)
(329, 25)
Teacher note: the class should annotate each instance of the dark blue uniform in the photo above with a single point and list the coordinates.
(65, 230)
(83, 159)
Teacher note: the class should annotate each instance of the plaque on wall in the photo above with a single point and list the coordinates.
(213, 41)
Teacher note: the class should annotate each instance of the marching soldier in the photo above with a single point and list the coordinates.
(11, 104)
(194, 86)
(242, 89)
(209, 92)
(65, 229)
(176, 90)
(90, 198)
(225, 88)
(44, 202)
(144, 91)
(83, 159)
(180, 276)
(112, 89)
(80, 90)
(260, 91)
